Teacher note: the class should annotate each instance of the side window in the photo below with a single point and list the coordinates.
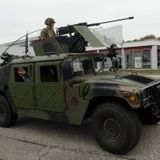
(21, 74)
(48, 73)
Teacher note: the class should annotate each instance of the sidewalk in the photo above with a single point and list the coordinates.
(154, 76)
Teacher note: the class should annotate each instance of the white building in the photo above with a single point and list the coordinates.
(141, 54)
(137, 55)
(16, 49)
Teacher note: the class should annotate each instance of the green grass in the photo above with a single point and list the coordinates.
(144, 71)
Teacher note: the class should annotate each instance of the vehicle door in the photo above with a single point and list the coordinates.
(22, 86)
(49, 87)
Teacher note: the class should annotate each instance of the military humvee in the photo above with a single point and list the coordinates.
(73, 87)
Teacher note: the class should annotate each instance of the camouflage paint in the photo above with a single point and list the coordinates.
(69, 101)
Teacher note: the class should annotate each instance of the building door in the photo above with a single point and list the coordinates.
(134, 59)
(129, 60)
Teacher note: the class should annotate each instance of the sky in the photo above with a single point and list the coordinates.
(17, 17)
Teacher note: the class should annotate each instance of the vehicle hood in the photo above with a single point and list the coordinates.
(129, 81)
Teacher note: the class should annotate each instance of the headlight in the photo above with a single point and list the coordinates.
(133, 98)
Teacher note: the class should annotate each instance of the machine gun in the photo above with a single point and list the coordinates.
(70, 28)
(6, 57)
(72, 40)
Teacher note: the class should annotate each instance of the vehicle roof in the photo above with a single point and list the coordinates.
(29, 59)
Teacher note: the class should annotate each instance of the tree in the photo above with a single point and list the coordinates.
(150, 36)
(158, 38)
(112, 50)
(147, 37)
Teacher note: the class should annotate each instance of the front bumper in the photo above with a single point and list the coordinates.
(150, 95)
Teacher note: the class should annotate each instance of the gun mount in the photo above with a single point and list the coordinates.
(71, 38)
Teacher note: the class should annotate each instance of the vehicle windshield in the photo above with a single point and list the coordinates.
(89, 65)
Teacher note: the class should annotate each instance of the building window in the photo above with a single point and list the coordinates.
(146, 59)
(134, 59)
(138, 59)
(158, 58)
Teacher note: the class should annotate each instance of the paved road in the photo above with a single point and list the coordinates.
(34, 139)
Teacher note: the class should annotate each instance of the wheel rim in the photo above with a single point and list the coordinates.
(112, 129)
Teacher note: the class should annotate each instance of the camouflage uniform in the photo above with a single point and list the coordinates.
(48, 32)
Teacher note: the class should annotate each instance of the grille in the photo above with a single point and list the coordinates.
(151, 94)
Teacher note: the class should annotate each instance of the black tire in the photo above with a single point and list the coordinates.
(116, 128)
(7, 117)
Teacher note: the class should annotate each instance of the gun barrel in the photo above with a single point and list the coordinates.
(69, 29)
(115, 20)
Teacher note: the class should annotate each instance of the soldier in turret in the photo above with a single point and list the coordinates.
(48, 32)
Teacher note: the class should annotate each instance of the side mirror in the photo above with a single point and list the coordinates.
(67, 71)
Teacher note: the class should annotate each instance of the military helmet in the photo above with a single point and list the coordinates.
(49, 21)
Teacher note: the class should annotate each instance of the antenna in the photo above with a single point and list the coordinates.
(26, 44)
(20, 39)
